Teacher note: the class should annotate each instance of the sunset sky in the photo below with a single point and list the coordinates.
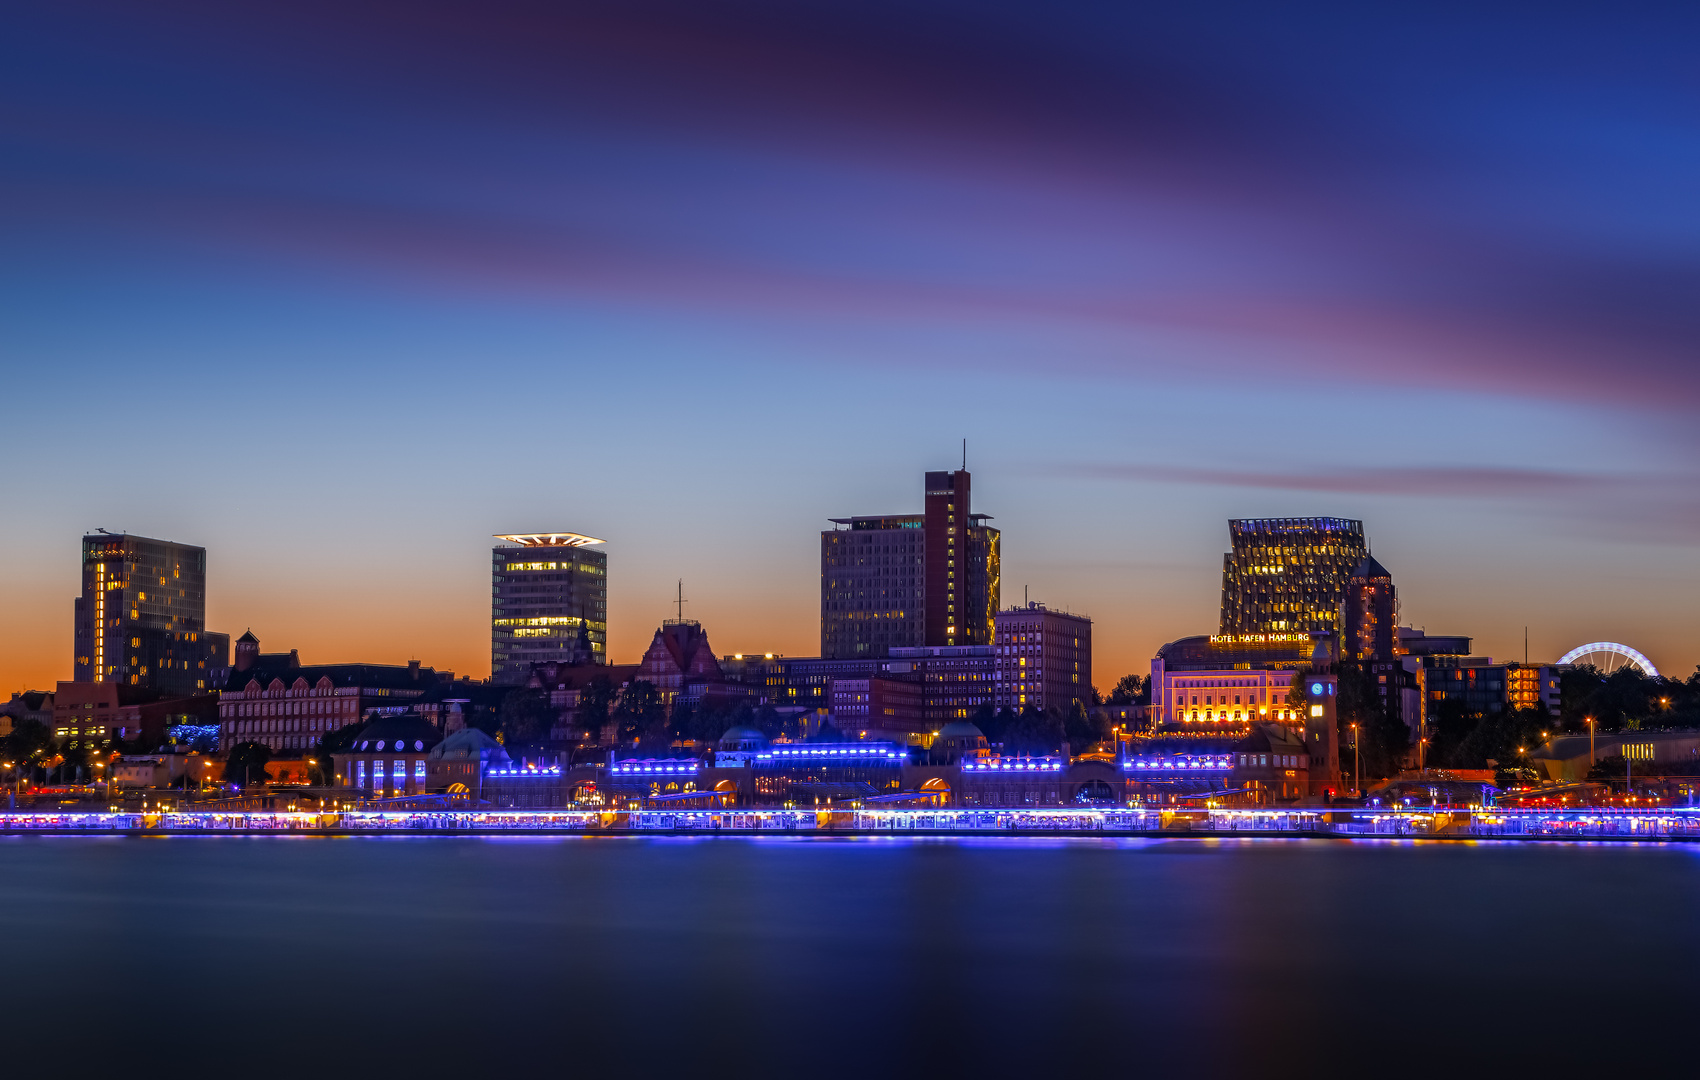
(339, 290)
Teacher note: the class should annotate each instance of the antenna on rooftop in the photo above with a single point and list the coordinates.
(681, 600)
(965, 455)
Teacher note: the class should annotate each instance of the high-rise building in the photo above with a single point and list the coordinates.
(142, 618)
(1369, 615)
(549, 602)
(910, 580)
(1287, 575)
(1044, 658)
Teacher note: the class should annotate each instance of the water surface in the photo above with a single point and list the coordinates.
(853, 957)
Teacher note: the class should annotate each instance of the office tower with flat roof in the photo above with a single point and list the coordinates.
(142, 618)
(1044, 658)
(1288, 575)
(549, 602)
(910, 580)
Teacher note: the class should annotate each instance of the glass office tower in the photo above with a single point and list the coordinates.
(549, 602)
(142, 617)
(1288, 575)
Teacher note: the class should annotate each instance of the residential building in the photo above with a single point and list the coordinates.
(910, 580)
(91, 714)
(680, 664)
(86, 713)
(956, 680)
(803, 682)
(1288, 575)
(1043, 658)
(1478, 685)
(34, 705)
(1369, 616)
(275, 700)
(879, 708)
(549, 602)
(141, 618)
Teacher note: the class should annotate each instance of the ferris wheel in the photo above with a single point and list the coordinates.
(1608, 656)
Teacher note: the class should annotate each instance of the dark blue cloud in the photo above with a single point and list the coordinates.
(1498, 197)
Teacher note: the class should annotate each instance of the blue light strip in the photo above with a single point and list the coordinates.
(653, 768)
(1014, 765)
(827, 751)
(1221, 763)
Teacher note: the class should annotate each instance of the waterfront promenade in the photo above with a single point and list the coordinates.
(1669, 824)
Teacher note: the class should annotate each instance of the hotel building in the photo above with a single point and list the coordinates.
(1044, 658)
(141, 620)
(1226, 679)
(549, 603)
(910, 580)
(1288, 575)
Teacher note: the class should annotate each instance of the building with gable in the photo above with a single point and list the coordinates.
(681, 664)
(272, 698)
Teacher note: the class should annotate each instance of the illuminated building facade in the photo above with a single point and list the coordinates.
(389, 757)
(1288, 575)
(680, 664)
(879, 707)
(1476, 684)
(1044, 659)
(1369, 615)
(141, 620)
(274, 700)
(956, 680)
(1225, 679)
(549, 602)
(910, 580)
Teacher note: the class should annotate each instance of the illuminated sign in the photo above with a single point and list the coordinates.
(1256, 639)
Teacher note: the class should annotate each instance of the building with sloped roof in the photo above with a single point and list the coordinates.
(681, 664)
(276, 700)
(390, 757)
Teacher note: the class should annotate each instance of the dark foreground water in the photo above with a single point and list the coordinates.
(866, 957)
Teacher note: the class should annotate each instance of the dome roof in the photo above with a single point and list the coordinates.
(737, 735)
(961, 729)
(470, 744)
(409, 731)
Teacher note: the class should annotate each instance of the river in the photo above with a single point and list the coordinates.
(638, 956)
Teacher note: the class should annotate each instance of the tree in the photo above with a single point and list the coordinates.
(247, 763)
(1034, 732)
(323, 772)
(30, 742)
(1082, 730)
(767, 721)
(640, 713)
(1130, 690)
(526, 718)
(681, 723)
(594, 704)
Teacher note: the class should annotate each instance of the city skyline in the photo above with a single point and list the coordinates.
(1161, 269)
(641, 630)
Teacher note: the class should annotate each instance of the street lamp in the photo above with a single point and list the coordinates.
(1357, 769)
(1590, 721)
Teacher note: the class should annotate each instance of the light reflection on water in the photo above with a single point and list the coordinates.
(843, 956)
